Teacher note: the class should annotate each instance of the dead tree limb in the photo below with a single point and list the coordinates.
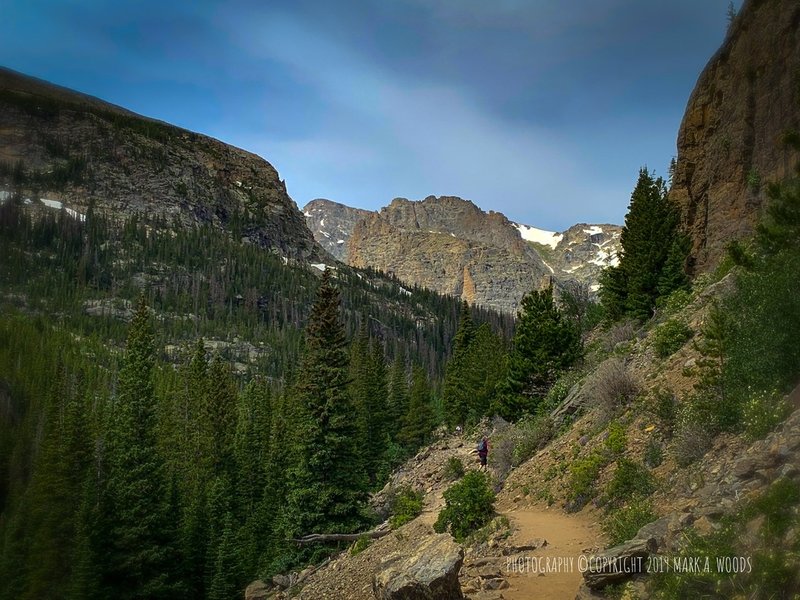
(316, 538)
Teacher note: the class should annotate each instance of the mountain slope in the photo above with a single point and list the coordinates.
(68, 147)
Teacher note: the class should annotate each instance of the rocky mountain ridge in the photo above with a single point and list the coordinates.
(74, 150)
(450, 245)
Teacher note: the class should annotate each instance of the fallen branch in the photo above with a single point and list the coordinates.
(316, 538)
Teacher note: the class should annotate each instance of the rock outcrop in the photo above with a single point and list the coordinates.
(449, 245)
(332, 223)
(73, 150)
(730, 141)
(428, 573)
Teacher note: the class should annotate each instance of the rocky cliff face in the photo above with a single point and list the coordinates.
(72, 149)
(449, 245)
(730, 142)
(332, 223)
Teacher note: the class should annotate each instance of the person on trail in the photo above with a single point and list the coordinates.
(483, 452)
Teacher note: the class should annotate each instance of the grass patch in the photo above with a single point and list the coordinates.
(621, 524)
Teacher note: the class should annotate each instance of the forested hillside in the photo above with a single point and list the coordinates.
(147, 375)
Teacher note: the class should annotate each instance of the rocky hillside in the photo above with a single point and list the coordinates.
(452, 246)
(731, 141)
(73, 150)
(332, 223)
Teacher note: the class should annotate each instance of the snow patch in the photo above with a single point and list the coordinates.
(307, 214)
(325, 233)
(593, 230)
(321, 266)
(340, 241)
(52, 203)
(594, 287)
(540, 236)
(405, 291)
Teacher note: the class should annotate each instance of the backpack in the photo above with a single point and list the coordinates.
(482, 446)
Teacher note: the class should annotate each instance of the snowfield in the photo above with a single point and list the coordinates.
(540, 236)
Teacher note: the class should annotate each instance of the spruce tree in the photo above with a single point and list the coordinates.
(456, 394)
(398, 394)
(653, 256)
(419, 420)
(545, 344)
(141, 557)
(486, 362)
(369, 394)
(326, 485)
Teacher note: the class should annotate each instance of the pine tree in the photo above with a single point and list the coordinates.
(653, 256)
(398, 394)
(218, 419)
(456, 395)
(141, 556)
(326, 485)
(419, 420)
(369, 394)
(545, 344)
(486, 362)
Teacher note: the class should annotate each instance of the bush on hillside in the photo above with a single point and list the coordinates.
(454, 469)
(406, 505)
(611, 387)
(630, 479)
(469, 505)
(622, 524)
(670, 337)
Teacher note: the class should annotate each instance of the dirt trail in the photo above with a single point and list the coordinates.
(568, 537)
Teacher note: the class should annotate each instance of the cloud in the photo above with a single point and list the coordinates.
(386, 135)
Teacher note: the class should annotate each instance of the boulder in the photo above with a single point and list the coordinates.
(619, 563)
(429, 572)
(258, 590)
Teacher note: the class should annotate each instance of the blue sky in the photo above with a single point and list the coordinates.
(543, 110)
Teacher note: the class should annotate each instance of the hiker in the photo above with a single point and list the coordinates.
(483, 452)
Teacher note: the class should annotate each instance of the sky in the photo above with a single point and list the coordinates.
(541, 109)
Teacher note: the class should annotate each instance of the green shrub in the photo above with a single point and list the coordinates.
(621, 524)
(653, 453)
(469, 505)
(583, 475)
(617, 439)
(676, 301)
(360, 545)
(763, 413)
(454, 469)
(664, 406)
(670, 337)
(630, 480)
(405, 506)
(531, 435)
